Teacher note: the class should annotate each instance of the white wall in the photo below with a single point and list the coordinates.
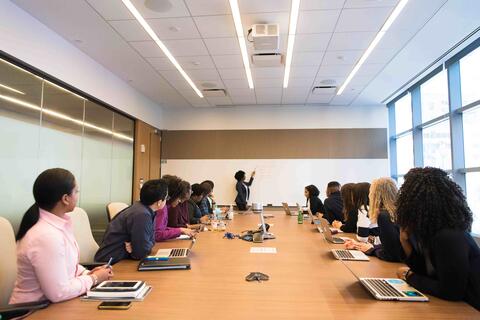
(277, 180)
(25, 38)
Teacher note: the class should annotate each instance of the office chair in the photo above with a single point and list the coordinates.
(113, 208)
(83, 234)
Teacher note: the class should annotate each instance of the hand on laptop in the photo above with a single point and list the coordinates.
(355, 245)
(204, 219)
(188, 232)
(336, 224)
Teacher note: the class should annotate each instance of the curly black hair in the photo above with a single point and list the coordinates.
(313, 191)
(429, 201)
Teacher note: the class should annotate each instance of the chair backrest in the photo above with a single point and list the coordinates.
(8, 263)
(113, 208)
(83, 234)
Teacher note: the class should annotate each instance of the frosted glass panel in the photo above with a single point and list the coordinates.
(122, 159)
(96, 163)
(20, 96)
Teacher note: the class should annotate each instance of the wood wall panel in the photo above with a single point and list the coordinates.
(364, 143)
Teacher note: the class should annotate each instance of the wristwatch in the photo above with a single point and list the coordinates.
(405, 274)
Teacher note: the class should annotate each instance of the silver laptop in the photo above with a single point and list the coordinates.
(327, 233)
(392, 289)
(175, 252)
(354, 255)
(287, 209)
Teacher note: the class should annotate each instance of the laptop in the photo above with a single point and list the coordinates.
(327, 233)
(353, 255)
(147, 264)
(287, 210)
(392, 289)
(173, 252)
(266, 235)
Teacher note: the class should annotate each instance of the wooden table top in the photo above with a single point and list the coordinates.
(306, 282)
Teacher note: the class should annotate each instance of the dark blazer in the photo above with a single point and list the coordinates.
(390, 248)
(316, 205)
(243, 193)
(455, 267)
(334, 207)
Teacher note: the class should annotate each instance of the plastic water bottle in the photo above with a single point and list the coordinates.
(230, 213)
(300, 216)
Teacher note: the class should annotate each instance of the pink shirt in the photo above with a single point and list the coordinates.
(47, 258)
(162, 231)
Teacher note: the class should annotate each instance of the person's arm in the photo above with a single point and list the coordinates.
(48, 258)
(203, 207)
(328, 214)
(450, 256)
(192, 219)
(141, 235)
(249, 183)
(162, 232)
(351, 223)
(390, 249)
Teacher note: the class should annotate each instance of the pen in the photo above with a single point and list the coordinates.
(109, 264)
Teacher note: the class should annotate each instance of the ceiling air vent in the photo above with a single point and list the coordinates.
(265, 36)
(324, 90)
(267, 59)
(214, 93)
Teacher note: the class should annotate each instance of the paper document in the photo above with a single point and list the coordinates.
(263, 250)
(183, 237)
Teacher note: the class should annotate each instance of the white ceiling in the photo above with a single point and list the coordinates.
(331, 36)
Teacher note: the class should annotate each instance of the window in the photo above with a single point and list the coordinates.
(473, 198)
(434, 97)
(470, 77)
(471, 136)
(436, 146)
(404, 153)
(403, 114)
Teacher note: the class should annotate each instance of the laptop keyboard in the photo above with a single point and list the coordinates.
(345, 254)
(383, 288)
(178, 252)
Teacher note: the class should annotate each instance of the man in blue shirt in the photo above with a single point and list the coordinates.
(130, 235)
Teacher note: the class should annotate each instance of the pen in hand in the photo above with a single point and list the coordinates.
(109, 264)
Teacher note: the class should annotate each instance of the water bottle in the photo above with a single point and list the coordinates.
(230, 213)
(300, 216)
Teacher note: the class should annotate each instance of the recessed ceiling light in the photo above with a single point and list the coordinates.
(394, 15)
(160, 44)
(291, 39)
(158, 5)
(241, 40)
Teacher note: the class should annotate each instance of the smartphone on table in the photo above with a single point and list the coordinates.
(114, 305)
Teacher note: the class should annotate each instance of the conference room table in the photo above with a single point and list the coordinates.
(306, 282)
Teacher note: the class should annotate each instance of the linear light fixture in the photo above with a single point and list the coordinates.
(160, 44)
(241, 40)
(63, 116)
(11, 89)
(291, 39)
(395, 13)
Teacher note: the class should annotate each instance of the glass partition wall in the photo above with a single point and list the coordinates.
(42, 126)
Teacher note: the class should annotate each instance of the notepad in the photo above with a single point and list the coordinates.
(263, 250)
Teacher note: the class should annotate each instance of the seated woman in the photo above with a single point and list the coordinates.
(333, 204)
(194, 213)
(47, 252)
(311, 192)
(382, 197)
(350, 213)
(243, 189)
(435, 223)
(177, 190)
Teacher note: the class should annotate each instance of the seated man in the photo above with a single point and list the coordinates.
(194, 213)
(130, 235)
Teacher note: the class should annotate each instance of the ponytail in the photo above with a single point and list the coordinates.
(30, 218)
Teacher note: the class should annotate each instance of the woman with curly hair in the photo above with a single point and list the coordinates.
(435, 222)
(382, 198)
(311, 192)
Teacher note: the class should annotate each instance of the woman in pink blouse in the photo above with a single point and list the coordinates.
(47, 252)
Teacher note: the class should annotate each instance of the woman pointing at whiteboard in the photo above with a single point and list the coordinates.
(243, 189)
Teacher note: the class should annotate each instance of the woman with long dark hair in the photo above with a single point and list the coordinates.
(435, 221)
(47, 252)
(311, 192)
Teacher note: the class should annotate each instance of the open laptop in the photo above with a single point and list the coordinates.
(392, 289)
(287, 209)
(266, 235)
(174, 252)
(353, 255)
(327, 233)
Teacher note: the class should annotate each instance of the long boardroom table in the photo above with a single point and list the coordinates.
(306, 282)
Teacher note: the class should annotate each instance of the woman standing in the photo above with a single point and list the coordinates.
(243, 189)
(47, 252)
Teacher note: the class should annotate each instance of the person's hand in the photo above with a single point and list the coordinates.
(204, 219)
(128, 247)
(404, 235)
(253, 173)
(362, 246)
(337, 224)
(103, 274)
(350, 244)
(98, 268)
(402, 273)
(189, 232)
